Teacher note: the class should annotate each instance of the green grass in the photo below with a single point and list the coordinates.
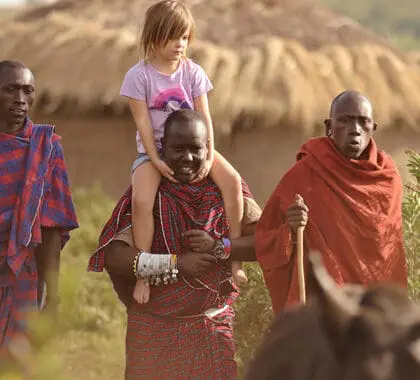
(411, 213)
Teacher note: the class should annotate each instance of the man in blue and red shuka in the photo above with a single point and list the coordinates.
(36, 209)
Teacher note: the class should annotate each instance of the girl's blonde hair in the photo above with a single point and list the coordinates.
(164, 21)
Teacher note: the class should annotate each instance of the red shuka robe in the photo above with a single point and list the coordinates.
(355, 220)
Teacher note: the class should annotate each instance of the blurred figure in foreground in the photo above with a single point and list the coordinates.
(350, 332)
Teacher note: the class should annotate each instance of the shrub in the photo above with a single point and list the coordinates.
(411, 218)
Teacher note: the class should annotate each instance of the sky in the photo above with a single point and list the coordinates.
(11, 2)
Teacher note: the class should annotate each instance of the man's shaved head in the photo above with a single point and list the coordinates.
(9, 64)
(351, 123)
(180, 118)
(348, 96)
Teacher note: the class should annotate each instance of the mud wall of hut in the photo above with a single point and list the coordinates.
(101, 150)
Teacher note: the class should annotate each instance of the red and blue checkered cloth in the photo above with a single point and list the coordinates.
(34, 193)
(161, 347)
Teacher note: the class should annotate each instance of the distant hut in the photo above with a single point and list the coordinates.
(275, 65)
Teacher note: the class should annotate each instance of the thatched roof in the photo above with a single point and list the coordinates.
(231, 23)
(79, 66)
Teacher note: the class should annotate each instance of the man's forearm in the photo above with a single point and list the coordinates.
(243, 249)
(50, 261)
(119, 258)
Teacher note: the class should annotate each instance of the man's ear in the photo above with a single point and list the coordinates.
(327, 123)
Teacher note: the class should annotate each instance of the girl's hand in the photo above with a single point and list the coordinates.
(200, 241)
(165, 170)
(204, 172)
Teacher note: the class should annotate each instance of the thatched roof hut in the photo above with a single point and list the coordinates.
(80, 50)
(229, 23)
(276, 70)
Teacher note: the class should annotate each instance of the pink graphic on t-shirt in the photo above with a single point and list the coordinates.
(170, 100)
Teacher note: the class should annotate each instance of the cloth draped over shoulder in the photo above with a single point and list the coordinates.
(354, 215)
(34, 193)
(171, 336)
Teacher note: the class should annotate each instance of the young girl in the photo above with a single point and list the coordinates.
(165, 81)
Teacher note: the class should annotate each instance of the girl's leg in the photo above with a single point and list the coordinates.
(141, 291)
(145, 181)
(229, 182)
(238, 273)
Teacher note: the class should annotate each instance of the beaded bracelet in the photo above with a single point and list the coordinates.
(135, 263)
(156, 269)
(222, 249)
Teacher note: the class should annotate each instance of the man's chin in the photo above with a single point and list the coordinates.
(15, 123)
(184, 178)
(353, 153)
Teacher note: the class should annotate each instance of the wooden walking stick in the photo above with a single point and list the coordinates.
(299, 248)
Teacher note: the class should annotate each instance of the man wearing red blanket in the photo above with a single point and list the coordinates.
(352, 212)
(36, 210)
(185, 330)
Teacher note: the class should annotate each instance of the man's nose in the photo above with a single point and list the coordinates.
(187, 156)
(355, 128)
(19, 96)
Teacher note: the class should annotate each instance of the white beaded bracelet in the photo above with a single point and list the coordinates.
(156, 269)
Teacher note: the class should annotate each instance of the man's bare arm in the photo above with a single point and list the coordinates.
(49, 264)
(119, 258)
(243, 248)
